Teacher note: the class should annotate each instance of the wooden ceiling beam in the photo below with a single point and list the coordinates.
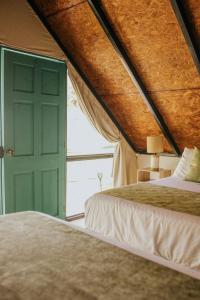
(120, 50)
(186, 28)
(83, 76)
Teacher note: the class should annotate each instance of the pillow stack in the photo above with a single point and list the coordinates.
(188, 167)
(193, 172)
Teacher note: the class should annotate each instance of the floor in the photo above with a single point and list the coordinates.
(79, 222)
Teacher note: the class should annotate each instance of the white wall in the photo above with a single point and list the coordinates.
(21, 29)
(166, 162)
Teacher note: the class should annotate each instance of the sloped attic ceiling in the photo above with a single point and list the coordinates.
(150, 33)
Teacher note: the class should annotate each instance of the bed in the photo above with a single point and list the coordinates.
(43, 258)
(155, 217)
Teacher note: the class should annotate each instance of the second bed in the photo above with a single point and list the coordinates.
(161, 218)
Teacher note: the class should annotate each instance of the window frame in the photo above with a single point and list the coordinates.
(70, 158)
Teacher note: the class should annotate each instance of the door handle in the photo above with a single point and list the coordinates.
(1, 152)
(10, 152)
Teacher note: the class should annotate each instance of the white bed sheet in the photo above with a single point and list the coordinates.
(175, 182)
(174, 236)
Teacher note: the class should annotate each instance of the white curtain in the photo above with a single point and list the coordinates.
(125, 162)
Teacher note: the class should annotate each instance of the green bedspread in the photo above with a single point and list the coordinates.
(42, 259)
(159, 196)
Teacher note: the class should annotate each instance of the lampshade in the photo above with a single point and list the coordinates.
(154, 144)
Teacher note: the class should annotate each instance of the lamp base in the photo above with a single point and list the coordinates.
(155, 162)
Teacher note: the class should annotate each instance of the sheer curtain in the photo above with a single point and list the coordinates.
(124, 162)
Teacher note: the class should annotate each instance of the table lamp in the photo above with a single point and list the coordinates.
(154, 146)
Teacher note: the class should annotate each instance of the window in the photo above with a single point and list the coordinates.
(89, 157)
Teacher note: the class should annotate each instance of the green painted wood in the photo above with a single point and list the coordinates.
(1, 196)
(34, 113)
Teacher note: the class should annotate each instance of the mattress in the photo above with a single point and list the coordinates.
(43, 258)
(172, 235)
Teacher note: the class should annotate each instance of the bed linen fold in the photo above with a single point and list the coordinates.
(159, 196)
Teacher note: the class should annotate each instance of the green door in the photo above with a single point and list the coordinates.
(34, 133)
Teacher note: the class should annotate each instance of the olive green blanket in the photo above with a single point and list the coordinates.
(159, 196)
(41, 258)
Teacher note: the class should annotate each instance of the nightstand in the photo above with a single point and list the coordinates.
(147, 174)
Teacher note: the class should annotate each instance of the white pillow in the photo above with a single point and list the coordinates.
(184, 163)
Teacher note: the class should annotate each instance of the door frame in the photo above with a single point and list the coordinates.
(4, 48)
(1, 135)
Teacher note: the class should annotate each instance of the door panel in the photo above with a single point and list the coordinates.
(50, 195)
(23, 77)
(34, 113)
(23, 191)
(49, 120)
(50, 82)
(23, 134)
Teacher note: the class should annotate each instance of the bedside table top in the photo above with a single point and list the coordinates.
(147, 174)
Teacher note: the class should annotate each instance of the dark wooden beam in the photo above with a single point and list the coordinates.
(103, 20)
(186, 28)
(83, 76)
